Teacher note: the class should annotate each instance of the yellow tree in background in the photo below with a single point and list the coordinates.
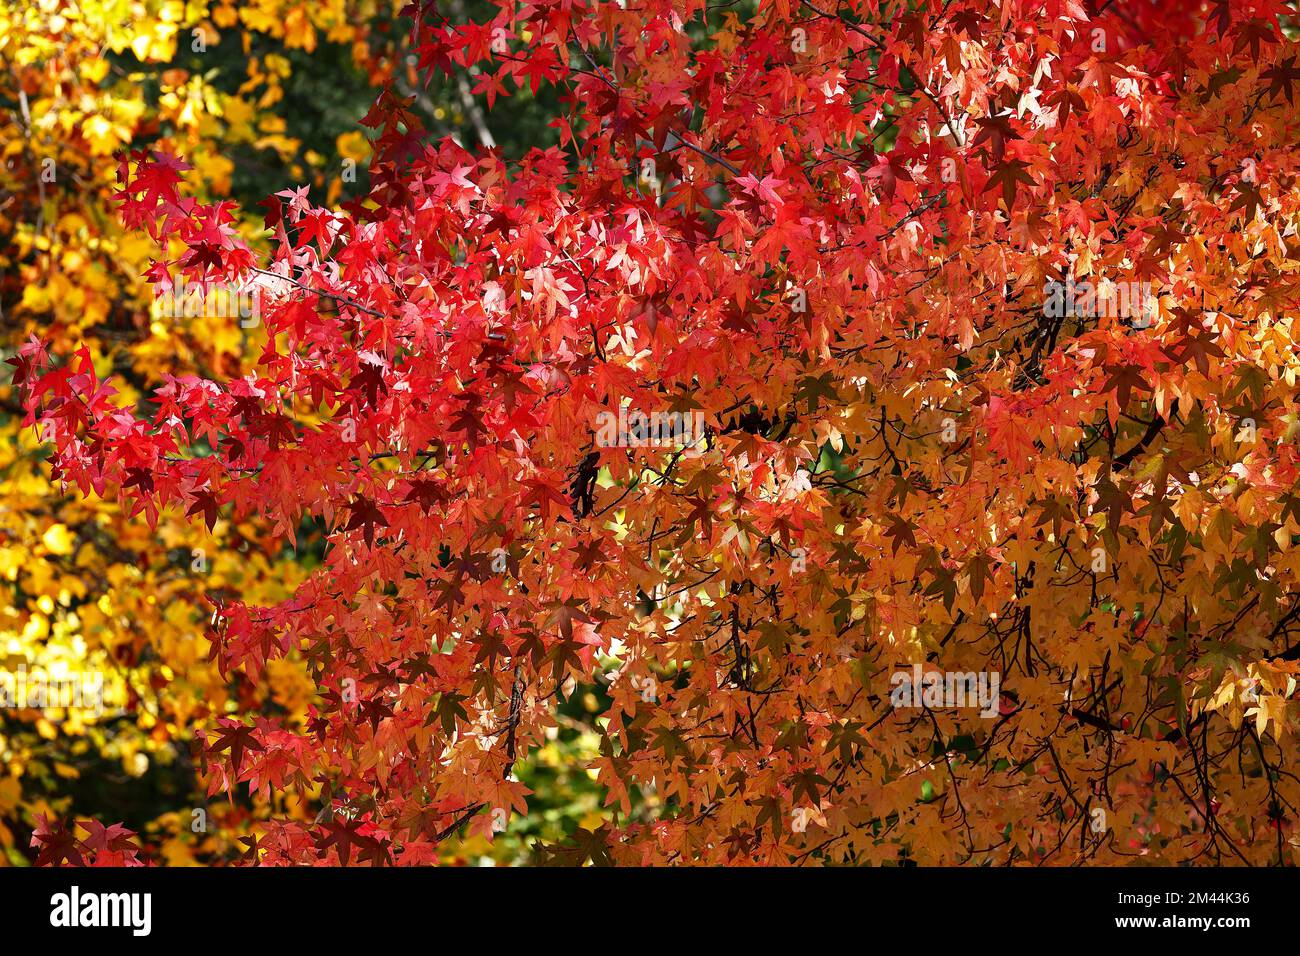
(86, 593)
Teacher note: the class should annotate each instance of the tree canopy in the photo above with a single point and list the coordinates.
(827, 345)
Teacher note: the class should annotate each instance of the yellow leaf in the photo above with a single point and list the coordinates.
(57, 539)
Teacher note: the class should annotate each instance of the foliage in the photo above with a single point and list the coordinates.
(87, 590)
(910, 455)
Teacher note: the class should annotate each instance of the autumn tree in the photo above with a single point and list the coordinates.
(833, 343)
(84, 590)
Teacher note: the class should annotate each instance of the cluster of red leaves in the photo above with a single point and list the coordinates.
(437, 358)
(59, 845)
